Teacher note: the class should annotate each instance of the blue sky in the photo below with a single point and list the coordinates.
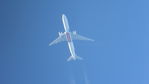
(119, 54)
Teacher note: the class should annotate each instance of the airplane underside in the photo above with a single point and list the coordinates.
(69, 37)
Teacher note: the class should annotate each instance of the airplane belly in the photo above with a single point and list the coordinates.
(68, 37)
(71, 48)
(65, 23)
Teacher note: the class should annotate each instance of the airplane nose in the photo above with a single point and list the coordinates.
(63, 15)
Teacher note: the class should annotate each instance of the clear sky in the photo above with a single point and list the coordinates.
(119, 54)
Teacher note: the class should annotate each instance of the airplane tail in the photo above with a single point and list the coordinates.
(74, 58)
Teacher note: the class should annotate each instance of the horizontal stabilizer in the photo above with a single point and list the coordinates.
(74, 58)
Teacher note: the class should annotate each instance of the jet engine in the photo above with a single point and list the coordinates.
(60, 33)
(74, 32)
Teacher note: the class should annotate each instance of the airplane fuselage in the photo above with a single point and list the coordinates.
(68, 37)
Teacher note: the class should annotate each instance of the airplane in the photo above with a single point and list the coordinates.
(69, 37)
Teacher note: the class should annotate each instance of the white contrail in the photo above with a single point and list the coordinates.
(86, 78)
(85, 75)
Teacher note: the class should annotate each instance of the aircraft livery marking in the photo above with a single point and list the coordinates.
(68, 37)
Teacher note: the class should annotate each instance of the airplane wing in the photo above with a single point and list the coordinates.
(76, 36)
(58, 40)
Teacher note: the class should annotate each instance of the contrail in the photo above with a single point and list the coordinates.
(84, 70)
(86, 78)
(81, 70)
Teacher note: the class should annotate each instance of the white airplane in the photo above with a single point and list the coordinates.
(69, 36)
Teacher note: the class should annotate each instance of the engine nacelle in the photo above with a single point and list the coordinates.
(74, 32)
(60, 33)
